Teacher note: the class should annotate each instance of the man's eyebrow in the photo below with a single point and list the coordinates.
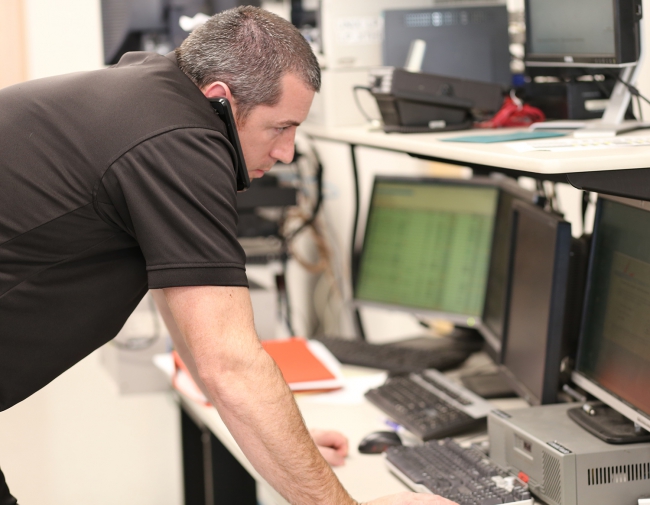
(289, 122)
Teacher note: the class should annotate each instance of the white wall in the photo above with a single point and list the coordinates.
(63, 36)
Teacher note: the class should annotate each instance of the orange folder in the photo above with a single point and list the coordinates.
(301, 368)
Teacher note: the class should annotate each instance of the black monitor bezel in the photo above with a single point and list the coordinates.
(555, 330)
(627, 42)
(493, 341)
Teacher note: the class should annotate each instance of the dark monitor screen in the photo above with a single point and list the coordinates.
(614, 352)
(427, 247)
(538, 282)
(466, 42)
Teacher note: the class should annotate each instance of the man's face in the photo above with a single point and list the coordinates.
(267, 135)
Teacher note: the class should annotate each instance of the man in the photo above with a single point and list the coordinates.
(121, 180)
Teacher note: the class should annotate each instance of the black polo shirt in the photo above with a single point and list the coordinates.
(111, 182)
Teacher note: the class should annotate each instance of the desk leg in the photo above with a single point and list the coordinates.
(211, 475)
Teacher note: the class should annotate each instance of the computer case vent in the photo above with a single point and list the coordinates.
(618, 474)
(552, 475)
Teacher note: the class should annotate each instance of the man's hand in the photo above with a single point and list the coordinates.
(332, 445)
(411, 499)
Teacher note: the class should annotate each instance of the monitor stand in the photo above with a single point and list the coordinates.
(613, 121)
(488, 385)
(607, 424)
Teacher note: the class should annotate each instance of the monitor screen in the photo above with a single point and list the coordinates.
(614, 353)
(478, 35)
(586, 27)
(427, 247)
(539, 275)
(597, 33)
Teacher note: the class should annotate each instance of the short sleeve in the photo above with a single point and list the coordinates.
(176, 195)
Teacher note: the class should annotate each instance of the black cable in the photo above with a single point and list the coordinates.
(632, 89)
(284, 292)
(354, 257)
(356, 100)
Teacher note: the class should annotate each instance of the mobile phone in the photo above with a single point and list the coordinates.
(222, 108)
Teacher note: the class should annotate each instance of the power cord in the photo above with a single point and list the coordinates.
(632, 89)
(355, 89)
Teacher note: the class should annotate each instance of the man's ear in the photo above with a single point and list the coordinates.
(217, 89)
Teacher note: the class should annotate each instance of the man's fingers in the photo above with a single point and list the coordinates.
(331, 439)
(332, 456)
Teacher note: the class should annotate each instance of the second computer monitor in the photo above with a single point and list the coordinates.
(535, 335)
(496, 299)
(427, 247)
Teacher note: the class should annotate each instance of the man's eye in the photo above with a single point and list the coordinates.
(281, 129)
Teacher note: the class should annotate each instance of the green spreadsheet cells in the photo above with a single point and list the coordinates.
(410, 267)
(430, 260)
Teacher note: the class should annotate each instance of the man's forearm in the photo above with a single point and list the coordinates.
(251, 396)
(261, 414)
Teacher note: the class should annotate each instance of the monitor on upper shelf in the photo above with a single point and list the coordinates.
(577, 37)
(582, 33)
(427, 247)
(613, 361)
(544, 302)
(464, 41)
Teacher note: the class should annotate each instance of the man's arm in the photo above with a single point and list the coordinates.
(248, 390)
(332, 445)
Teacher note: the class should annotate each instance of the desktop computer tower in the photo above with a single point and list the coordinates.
(564, 464)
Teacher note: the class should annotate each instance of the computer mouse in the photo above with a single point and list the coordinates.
(378, 441)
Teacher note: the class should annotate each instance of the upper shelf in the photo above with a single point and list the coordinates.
(620, 171)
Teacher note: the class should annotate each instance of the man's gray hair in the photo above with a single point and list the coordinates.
(249, 49)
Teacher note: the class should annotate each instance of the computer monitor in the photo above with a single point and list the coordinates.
(613, 361)
(427, 247)
(577, 37)
(466, 42)
(152, 25)
(539, 333)
(582, 33)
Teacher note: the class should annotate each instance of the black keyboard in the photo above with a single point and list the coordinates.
(425, 413)
(392, 357)
(463, 475)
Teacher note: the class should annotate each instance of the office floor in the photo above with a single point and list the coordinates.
(79, 441)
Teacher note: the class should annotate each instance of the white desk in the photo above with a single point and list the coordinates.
(364, 476)
(614, 171)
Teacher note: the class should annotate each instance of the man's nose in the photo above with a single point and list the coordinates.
(283, 151)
